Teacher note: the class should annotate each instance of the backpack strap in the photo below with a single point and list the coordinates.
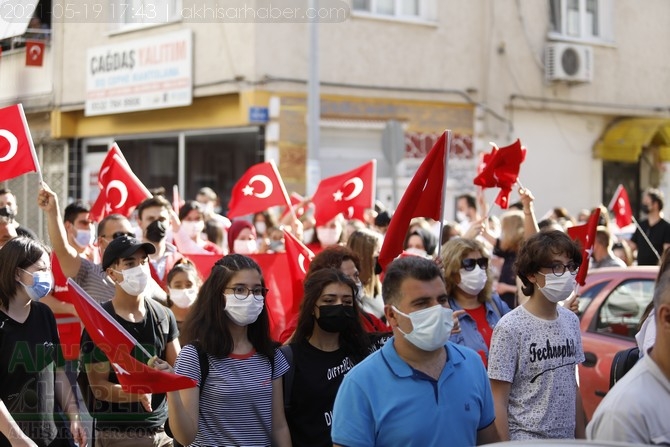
(288, 377)
(203, 360)
(162, 324)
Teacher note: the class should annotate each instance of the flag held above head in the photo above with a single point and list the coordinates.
(422, 198)
(500, 168)
(585, 236)
(349, 193)
(17, 152)
(620, 206)
(259, 188)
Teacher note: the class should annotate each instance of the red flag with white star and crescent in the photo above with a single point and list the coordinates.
(260, 188)
(17, 152)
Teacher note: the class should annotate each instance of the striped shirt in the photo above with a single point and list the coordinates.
(93, 279)
(236, 402)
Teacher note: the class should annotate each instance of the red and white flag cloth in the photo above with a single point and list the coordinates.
(349, 193)
(422, 198)
(120, 189)
(500, 168)
(585, 235)
(620, 206)
(34, 53)
(299, 257)
(117, 344)
(260, 188)
(17, 152)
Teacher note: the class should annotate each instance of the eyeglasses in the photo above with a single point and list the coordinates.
(559, 269)
(468, 264)
(242, 292)
(119, 234)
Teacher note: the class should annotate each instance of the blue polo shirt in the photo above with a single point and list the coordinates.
(385, 402)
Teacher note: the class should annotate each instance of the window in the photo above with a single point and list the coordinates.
(133, 14)
(581, 19)
(400, 9)
(621, 311)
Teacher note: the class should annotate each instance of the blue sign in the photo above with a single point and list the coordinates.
(259, 115)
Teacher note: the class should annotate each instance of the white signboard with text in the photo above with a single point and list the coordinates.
(145, 74)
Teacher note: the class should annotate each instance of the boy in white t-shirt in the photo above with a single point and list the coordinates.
(536, 348)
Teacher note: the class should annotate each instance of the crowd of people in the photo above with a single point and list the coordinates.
(470, 336)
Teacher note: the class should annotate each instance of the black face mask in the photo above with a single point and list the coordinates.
(335, 318)
(378, 267)
(644, 208)
(156, 231)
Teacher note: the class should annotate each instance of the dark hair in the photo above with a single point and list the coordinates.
(19, 252)
(188, 206)
(269, 219)
(655, 195)
(662, 290)
(400, 269)
(214, 231)
(184, 265)
(469, 198)
(428, 240)
(73, 210)
(207, 322)
(353, 341)
(103, 222)
(151, 202)
(333, 257)
(538, 251)
(4, 191)
(603, 236)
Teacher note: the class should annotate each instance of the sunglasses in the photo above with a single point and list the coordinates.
(469, 264)
(120, 233)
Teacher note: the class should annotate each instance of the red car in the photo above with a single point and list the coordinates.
(611, 304)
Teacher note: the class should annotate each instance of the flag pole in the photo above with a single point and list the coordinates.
(646, 238)
(447, 152)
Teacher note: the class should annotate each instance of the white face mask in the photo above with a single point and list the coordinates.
(461, 216)
(183, 297)
(417, 252)
(192, 228)
(557, 288)
(245, 247)
(84, 238)
(328, 236)
(308, 236)
(134, 279)
(244, 312)
(473, 282)
(261, 227)
(431, 327)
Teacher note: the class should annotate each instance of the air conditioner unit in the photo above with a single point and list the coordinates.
(568, 62)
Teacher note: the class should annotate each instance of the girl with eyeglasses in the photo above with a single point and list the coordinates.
(239, 398)
(469, 286)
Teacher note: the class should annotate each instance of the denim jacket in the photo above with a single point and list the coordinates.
(469, 335)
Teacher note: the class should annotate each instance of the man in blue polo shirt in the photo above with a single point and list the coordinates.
(419, 389)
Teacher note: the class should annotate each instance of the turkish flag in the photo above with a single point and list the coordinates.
(348, 193)
(500, 168)
(69, 326)
(17, 152)
(113, 155)
(260, 188)
(585, 235)
(620, 206)
(34, 53)
(422, 198)
(120, 189)
(117, 344)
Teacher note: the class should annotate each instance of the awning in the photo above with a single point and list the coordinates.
(625, 139)
(15, 17)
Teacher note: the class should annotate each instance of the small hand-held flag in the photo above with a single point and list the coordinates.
(620, 206)
(117, 344)
(260, 188)
(422, 198)
(17, 152)
(34, 53)
(500, 168)
(350, 191)
(585, 235)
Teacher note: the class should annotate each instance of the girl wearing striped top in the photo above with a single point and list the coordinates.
(241, 401)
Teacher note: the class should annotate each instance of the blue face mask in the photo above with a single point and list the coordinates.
(42, 284)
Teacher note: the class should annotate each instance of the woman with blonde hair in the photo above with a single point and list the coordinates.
(367, 244)
(506, 247)
(469, 287)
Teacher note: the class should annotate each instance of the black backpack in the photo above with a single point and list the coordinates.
(622, 363)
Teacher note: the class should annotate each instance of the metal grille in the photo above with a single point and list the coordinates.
(53, 158)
